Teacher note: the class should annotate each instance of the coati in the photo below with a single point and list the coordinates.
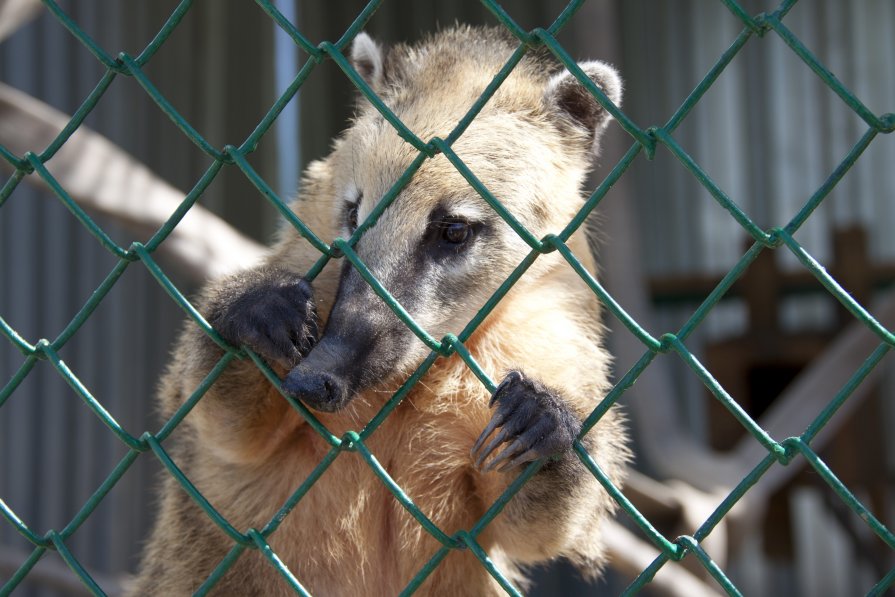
(441, 251)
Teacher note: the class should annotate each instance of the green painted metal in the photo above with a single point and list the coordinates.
(646, 140)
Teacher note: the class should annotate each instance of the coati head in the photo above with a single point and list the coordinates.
(439, 248)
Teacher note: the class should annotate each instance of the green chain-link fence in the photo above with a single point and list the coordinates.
(780, 451)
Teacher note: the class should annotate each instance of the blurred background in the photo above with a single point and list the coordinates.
(768, 132)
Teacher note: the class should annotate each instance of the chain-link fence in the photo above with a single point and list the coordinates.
(646, 141)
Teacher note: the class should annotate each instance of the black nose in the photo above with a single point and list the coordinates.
(320, 390)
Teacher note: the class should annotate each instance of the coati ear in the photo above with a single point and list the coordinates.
(366, 58)
(566, 96)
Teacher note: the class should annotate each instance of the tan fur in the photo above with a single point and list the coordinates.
(247, 450)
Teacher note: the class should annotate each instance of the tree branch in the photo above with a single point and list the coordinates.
(104, 179)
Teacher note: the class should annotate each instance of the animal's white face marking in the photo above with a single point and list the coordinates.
(350, 217)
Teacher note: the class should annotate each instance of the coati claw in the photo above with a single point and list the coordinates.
(275, 317)
(532, 418)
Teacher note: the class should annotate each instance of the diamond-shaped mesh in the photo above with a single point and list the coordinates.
(780, 451)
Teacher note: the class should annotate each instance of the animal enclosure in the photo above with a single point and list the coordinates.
(645, 140)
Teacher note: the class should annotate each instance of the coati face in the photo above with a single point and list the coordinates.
(439, 248)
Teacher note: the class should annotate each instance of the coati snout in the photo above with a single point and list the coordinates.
(359, 346)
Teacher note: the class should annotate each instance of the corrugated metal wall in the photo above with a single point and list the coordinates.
(769, 132)
(54, 452)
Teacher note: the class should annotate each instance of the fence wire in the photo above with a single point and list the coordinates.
(780, 451)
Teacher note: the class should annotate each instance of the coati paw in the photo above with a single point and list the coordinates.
(532, 418)
(274, 315)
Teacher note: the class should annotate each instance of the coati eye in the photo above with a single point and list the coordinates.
(449, 234)
(455, 231)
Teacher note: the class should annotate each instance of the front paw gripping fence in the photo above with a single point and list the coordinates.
(780, 451)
